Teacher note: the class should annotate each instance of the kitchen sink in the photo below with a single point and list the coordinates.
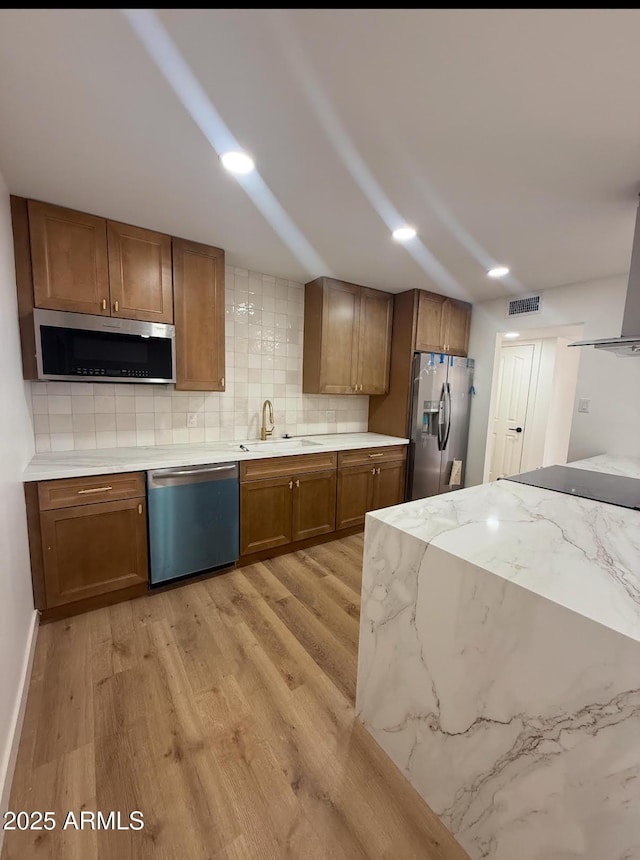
(273, 445)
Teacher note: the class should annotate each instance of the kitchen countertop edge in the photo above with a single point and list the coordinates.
(111, 461)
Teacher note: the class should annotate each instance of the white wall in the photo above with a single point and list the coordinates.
(612, 383)
(264, 328)
(17, 614)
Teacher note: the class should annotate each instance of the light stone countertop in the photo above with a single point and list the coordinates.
(499, 664)
(547, 542)
(105, 461)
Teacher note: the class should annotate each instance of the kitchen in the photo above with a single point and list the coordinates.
(318, 361)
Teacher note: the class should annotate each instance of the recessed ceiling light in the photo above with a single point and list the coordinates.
(511, 334)
(237, 162)
(498, 272)
(403, 234)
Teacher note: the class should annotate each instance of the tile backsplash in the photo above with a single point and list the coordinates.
(264, 328)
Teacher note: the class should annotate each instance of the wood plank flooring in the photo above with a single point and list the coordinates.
(224, 711)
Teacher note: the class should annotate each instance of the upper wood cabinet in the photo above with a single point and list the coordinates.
(442, 324)
(429, 332)
(198, 284)
(456, 321)
(140, 278)
(423, 322)
(347, 338)
(69, 259)
(89, 265)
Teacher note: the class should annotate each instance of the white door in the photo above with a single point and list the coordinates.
(508, 425)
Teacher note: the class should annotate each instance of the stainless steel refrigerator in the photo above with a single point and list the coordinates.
(440, 405)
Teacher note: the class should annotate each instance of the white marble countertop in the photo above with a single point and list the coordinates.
(79, 464)
(582, 554)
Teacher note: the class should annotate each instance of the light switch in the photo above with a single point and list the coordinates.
(331, 415)
(192, 419)
(584, 404)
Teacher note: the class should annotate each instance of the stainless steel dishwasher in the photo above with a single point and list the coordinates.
(193, 519)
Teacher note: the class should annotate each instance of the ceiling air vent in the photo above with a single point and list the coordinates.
(528, 305)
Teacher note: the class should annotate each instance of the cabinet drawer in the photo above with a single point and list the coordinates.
(66, 492)
(371, 455)
(251, 470)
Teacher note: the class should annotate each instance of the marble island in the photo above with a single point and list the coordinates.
(499, 665)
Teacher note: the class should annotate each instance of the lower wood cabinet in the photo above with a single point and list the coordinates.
(265, 514)
(375, 481)
(277, 511)
(287, 500)
(355, 495)
(88, 541)
(92, 549)
(314, 505)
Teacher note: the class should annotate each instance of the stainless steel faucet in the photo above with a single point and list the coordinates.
(263, 429)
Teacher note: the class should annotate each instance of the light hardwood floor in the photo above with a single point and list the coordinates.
(224, 711)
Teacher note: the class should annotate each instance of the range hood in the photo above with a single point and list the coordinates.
(628, 344)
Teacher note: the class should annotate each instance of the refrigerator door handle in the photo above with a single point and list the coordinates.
(441, 419)
(448, 430)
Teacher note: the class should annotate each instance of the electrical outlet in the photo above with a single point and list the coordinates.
(584, 404)
(331, 415)
(192, 419)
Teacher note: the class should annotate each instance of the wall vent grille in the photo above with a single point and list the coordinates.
(528, 305)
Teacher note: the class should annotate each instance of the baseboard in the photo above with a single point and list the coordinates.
(6, 777)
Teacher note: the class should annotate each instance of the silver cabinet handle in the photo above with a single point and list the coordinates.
(94, 490)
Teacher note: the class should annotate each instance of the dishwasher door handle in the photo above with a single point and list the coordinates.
(169, 477)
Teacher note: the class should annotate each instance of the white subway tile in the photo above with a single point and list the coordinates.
(41, 424)
(84, 423)
(43, 444)
(144, 403)
(106, 439)
(125, 421)
(81, 388)
(164, 437)
(126, 438)
(145, 437)
(83, 403)
(125, 405)
(145, 421)
(180, 436)
(40, 405)
(60, 424)
(62, 441)
(59, 404)
(56, 389)
(104, 403)
(84, 441)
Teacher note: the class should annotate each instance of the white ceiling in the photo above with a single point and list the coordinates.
(503, 135)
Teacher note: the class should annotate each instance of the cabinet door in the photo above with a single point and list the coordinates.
(355, 495)
(265, 514)
(93, 549)
(388, 485)
(374, 341)
(198, 284)
(456, 318)
(314, 505)
(429, 327)
(140, 278)
(339, 346)
(69, 259)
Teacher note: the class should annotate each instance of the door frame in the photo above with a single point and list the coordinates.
(533, 447)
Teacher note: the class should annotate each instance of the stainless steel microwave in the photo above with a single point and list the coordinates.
(103, 349)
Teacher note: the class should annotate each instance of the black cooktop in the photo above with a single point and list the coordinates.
(600, 486)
